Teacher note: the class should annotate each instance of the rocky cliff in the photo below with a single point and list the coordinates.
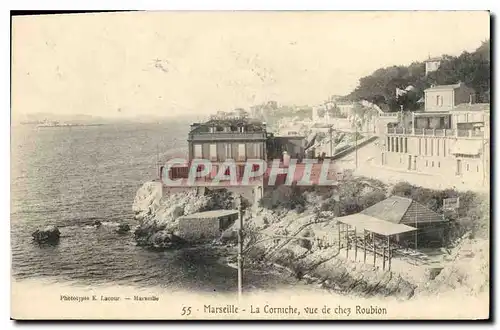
(304, 242)
(158, 214)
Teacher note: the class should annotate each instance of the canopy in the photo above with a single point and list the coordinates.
(366, 222)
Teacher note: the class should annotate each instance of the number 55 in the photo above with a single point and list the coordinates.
(186, 310)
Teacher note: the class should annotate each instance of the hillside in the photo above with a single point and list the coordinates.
(473, 69)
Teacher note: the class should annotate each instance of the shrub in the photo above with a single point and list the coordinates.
(284, 198)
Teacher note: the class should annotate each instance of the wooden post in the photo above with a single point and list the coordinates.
(374, 251)
(355, 244)
(339, 224)
(364, 245)
(383, 259)
(347, 241)
(389, 256)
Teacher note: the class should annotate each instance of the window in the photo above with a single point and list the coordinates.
(388, 147)
(419, 146)
(444, 147)
(228, 150)
(439, 100)
(467, 166)
(432, 164)
(397, 145)
(426, 163)
(477, 167)
(241, 152)
(406, 144)
(432, 146)
(425, 146)
(437, 147)
(401, 145)
(213, 152)
(256, 151)
(439, 164)
(197, 151)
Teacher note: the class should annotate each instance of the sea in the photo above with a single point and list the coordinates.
(72, 176)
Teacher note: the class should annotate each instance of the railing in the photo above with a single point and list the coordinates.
(436, 132)
(227, 135)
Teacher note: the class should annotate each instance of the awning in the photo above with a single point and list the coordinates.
(374, 225)
(466, 147)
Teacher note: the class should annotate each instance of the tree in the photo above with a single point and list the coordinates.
(473, 69)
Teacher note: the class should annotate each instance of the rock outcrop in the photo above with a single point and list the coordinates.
(49, 234)
(157, 215)
(157, 238)
(123, 228)
(467, 270)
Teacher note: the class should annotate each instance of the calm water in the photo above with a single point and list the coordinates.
(71, 177)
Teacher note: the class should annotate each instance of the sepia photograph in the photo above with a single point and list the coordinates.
(250, 165)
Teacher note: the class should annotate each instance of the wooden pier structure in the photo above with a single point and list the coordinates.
(371, 229)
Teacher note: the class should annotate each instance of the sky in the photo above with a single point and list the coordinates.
(175, 63)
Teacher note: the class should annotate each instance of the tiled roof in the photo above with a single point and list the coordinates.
(472, 107)
(439, 87)
(210, 214)
(433, 59)
(391, 209)
(402, 210)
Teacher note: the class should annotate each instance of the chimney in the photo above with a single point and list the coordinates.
(472, 99)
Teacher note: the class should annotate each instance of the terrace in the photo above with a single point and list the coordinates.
(436, 132)
(228, 129)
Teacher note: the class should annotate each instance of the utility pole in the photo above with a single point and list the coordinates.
(356, 145)
(331, 142)
(416, 231)
(158, 168)
(240, 249)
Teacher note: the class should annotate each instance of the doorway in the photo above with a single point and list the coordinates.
(459, 167)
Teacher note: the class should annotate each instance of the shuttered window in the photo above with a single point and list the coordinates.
(197, 151)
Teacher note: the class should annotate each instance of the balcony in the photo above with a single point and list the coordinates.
(435, 132)
(225, 136)
(389, 114)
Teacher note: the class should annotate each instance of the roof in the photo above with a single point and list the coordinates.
(400, 210)
(472, 107)
(433, 59)
(391, 209)
(441, 87)
(210, 214)
(365, 222)
(466, 147)
(431, 113)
